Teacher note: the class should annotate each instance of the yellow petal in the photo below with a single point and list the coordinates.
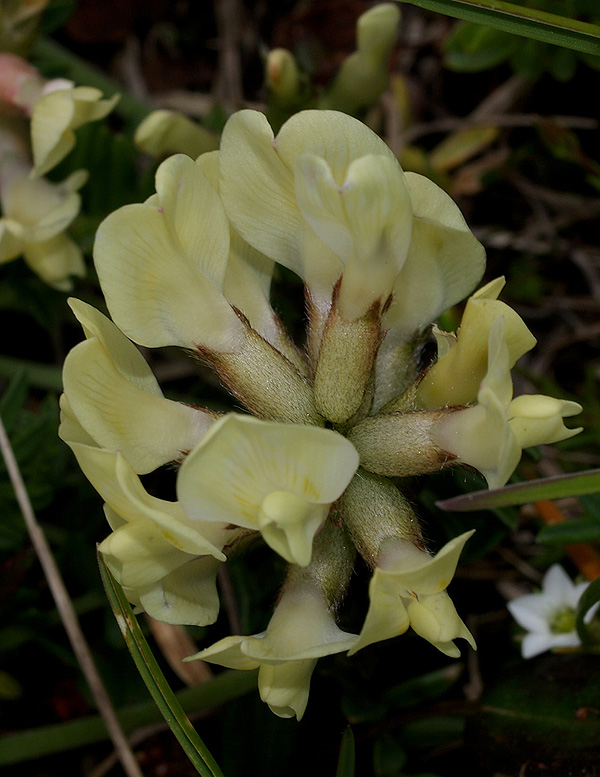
(194, 216)
(138, 554)
(456, 377)
(149, 429)
(187, 596)
(386, 617)
(243, 460)
(285, 687)
(168, 132)
(445, 261)
(419, 572)
(538, 420)
(123, 353)
(366, 220)
(288, 524)
(56, 115)
(257, 183)
(55, 261)
(435, 619)
(121, 488)
(155, 293)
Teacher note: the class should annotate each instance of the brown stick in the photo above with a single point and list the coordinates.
(67, 613)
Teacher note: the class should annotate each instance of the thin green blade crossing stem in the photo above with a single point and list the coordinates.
(161, 692)
(556, 487)
(529, 22)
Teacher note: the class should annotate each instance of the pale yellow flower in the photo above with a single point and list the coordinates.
(165, 132)
(455, 378)
(408, 588)
(279, 479)
(55, 116)
(491, 434)
(35, 216)
(301, 630)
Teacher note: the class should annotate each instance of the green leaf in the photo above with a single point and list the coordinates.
(555, 487)
(529, 22)
(424, 687)
(161, 692)
(471, 48)
(346, 760)
(540, 711)
(588, 599)
(570, 532)
(389, 756)
(461, 146)
(13, 400)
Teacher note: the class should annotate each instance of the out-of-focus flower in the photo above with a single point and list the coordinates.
(549, 615)
(363, 76)
(19, 21)
(35, 215)
(168, 132)
(56, 115)
(283, 77)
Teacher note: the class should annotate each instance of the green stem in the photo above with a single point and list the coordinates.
(38, 742)
(76, 69)
(539, 25)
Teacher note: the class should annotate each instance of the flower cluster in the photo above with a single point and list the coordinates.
(39, 119)
(382, 254)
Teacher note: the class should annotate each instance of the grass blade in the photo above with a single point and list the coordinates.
(346, 760)
(529, 22)
(161, 692)
(556, 487)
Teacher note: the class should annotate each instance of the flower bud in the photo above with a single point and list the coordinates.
(166, 132)
(283, 78)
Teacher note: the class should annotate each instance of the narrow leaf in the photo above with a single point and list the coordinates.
(345, 766)
(529, 22)
(155, 681)
(556, 487)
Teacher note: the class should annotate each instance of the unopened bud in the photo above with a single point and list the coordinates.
(167, 132)
(346, 358)
(283, 78)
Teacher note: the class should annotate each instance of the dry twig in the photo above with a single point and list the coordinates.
(67, 612)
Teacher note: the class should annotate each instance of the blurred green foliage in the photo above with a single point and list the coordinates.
(471, 48)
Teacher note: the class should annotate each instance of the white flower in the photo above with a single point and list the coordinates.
(549, 616)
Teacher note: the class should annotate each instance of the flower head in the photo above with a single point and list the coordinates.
(549, 616)
(306, 470)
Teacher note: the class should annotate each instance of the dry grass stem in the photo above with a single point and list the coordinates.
(67, 612)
